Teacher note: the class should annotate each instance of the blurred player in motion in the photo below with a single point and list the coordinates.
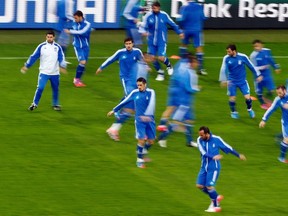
(191, 21)
(180, 106)
(262, 58)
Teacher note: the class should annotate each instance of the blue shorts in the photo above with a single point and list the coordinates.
(267, 83)
(195, 36)
(135, 35)
(159, 50)
(82, 54)
(244, 88)
(284, 129)
(208, 178)
(183, 113)
(145, 129)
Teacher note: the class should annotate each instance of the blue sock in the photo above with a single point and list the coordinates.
(213, 196)
(205, 190)
(188, 133)
(122, 117)
(147, 146)
(249, 103)
(167, 62)
(139, 151)
(156, 65)
(165, 134)
(260, 98)
(283, 149)
(199, 56)
(163, 121)
(79, 71)
(183, 52)
(232, 105)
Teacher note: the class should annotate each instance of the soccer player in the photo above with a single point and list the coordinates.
(262, 58)
(64, 11)
(81, 33)
(209, 146)
(233, 74)
(280, 101)
(191, 21)
(182, 88)
(144, 100)
(51, 55)
(130, 13)
(155, 24)
(127, 58)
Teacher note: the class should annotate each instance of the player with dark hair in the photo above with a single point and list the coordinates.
(281, 101)
(144, 100)
(128, 58)
(233, 75)
(155, 24)
(209, 146)
(81, 33)
(51, 56)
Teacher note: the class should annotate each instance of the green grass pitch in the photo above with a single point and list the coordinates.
(63, 163)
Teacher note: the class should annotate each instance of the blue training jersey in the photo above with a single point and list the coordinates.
(144, 102)
(81, 33)
(127, 60)
(233, 68)
(278, 102)
(183, 83)
(210, 148)
(263, 59)
(156, 26)
(192, 17)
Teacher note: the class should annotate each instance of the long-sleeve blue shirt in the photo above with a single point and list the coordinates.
(192, 17)
(144, 103)
(183, 83)
(156, 26)
(210, 148)
(81, 33)
(127, 60)
(233, 68)
(263, 59)
(278, 102)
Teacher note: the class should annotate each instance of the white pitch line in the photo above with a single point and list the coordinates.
(103, 57)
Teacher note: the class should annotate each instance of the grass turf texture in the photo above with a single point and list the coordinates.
(63, 163)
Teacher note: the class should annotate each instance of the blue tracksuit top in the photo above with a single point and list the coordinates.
(233, 68)
(278, 102)
(81, 33)
(156, 26)
(144, 102)
(192, 17)
(127, 60)
(183, 83)
(263, 59)
(210, 148)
